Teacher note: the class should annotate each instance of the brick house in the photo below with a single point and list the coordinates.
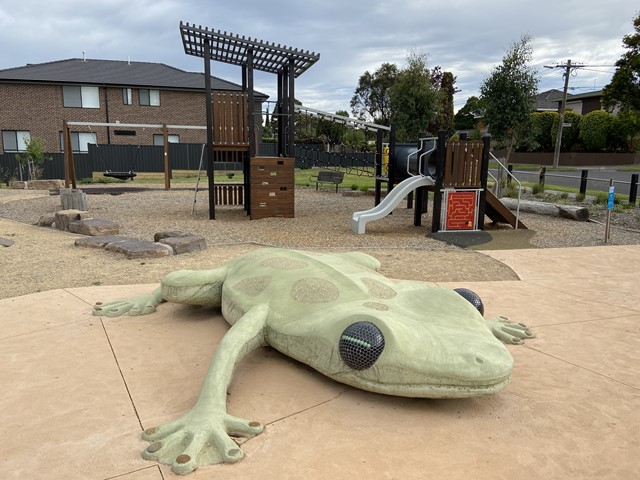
(37, 98)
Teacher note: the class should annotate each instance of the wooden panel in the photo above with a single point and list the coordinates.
(463, 163)
(230, 120)
(272, 187)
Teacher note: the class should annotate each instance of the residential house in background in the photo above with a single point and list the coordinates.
(37, 98)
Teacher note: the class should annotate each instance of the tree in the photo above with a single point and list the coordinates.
(444, 119)
(414, 100)
(624, 89)
(509, 94)
(33, 158)
(371, 99)
(467, 117)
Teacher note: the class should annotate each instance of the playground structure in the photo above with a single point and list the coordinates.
(231, 123)
(457, 174)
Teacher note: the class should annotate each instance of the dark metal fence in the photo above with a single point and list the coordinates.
(183, 156)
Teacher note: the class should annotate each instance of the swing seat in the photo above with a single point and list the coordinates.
(120, 175)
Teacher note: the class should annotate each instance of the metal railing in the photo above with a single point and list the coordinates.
(497, 186)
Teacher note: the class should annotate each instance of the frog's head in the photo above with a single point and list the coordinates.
(420, 360)
(409, 356)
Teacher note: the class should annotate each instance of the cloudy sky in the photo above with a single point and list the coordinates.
(465, 37)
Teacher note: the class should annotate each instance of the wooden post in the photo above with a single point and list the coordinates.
(70, 169)
(167, 164)
(484, 179)
(65, 146)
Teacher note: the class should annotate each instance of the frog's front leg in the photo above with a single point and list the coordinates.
(205, 435)
(508, 332)
(192, 287)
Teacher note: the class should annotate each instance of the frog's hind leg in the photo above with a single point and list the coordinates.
(360, 258)
(194, 287)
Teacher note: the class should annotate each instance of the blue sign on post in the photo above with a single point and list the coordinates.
(611, 197)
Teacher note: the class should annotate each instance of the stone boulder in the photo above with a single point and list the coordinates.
(94, 226)
(185, 244)
(5, 242)
(135, 248)
(64, 218)
(46, 220)
(101, 241)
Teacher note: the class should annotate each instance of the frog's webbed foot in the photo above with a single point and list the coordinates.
(132, 306)
(508, 332)
(198, 439)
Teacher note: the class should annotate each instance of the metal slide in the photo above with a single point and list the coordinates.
(391, 201)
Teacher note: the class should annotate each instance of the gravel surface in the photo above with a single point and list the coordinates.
(44, 258)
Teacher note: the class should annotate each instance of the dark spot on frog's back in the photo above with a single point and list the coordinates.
(314, 290)
(253, 286)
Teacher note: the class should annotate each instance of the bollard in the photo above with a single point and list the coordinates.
(584, 176)
(633, 189)
(543, 171)
(510, 170)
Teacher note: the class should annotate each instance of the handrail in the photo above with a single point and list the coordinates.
(517, 181)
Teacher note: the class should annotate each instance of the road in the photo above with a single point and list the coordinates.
(598, 178)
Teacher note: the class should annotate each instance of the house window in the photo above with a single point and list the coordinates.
(158, 140)
(15, 140)
(80, 96)
(127, 96)
(79, 141)
(149, 97)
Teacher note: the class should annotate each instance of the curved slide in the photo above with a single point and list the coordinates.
(391, 201)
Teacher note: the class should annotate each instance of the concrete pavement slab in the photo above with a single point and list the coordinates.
(65, 411)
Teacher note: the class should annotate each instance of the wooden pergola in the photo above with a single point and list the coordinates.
(251, 54)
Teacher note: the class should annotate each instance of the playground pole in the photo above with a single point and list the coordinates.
(437, 194)
(209, 113)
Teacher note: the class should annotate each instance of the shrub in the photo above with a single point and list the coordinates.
(602, 198)
(594, 129)
(570, 135)
(542, 127)
(579, 197)
(537, 188)
(354, 186)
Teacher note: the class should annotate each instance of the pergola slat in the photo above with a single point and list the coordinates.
(232, 49)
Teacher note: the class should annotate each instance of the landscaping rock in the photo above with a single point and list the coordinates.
(5, 242)
(94, 226)
(134, 248)
(185, 244)
(170, 234)
(100, 241)
(46, 220)
(65, 217)
(53, 186)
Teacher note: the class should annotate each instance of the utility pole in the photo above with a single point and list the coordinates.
(568, 67)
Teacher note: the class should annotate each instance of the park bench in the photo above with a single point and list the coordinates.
(327, 176)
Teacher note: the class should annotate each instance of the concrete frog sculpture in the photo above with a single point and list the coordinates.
(334, 312)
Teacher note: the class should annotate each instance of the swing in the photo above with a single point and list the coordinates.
(121, 175)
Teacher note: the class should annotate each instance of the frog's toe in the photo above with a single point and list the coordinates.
(112, 309)
(165, 450)
(239, 427)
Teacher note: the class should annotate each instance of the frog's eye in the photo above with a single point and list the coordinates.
(472, 298)
(361, 344)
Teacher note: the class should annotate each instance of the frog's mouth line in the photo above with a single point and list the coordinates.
(425, 391)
